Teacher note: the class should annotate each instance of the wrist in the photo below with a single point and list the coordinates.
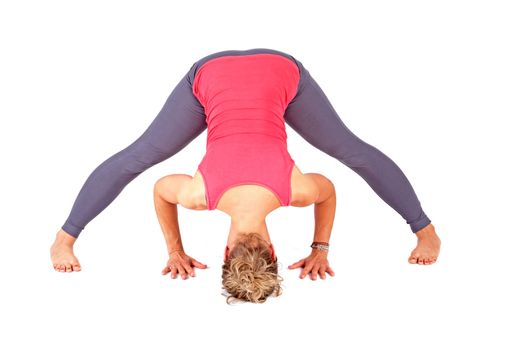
(322, 246)
(177, 250)
(319, 253)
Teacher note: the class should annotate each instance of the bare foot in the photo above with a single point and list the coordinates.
(62, 255)
(428, 245)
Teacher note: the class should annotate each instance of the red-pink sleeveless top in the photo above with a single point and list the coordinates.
(244, 99)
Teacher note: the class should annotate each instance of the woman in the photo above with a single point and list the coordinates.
(247, 173)
(183, 117)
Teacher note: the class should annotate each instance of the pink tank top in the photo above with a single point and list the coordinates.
(244, 99)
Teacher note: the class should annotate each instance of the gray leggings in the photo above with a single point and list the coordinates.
(182, 119)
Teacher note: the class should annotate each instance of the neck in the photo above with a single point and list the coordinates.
(245, 224)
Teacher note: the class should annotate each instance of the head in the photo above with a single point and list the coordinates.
(249, 271)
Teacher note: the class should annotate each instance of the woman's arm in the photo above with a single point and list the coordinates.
(324, 210)
(169, 191)
(325, 201)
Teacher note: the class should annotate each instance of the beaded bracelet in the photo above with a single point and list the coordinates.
(320, 245)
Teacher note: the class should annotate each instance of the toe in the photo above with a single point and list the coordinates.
(413, 259)
(61, 268)
(76, 267)
(68, 267)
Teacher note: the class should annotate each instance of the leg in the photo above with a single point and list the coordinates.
(180, 120)
(312, 116)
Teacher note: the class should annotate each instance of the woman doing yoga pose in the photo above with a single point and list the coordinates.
(246, 172)
(243, 98)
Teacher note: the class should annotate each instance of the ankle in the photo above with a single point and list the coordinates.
(62, 237)
(426, 231)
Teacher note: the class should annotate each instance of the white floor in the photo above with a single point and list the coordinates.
(438, 89)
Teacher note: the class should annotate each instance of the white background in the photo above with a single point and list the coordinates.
(437, 86)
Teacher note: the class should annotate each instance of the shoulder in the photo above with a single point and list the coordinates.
(304, 189)
(309, 188)
(176, 188)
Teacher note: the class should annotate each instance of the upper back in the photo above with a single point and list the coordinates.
(254, 197)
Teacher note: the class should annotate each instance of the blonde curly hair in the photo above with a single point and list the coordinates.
(249, 273)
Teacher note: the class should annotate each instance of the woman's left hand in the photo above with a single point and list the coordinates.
(180, 263)
(315, 263)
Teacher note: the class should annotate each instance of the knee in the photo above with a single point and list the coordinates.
(355, 153)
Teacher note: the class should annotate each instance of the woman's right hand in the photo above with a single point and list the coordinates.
(180, 263)
(315, 263)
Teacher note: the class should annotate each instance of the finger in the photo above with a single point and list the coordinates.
(186, 270)
(181, 271)
(314, 272)
(174, 271)
(166, 270)
(330, 271)
(306, 270)
(322, 272)
(191, 271)
(297, 264)
(198, 264)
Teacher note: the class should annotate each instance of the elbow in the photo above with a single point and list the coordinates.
(331, 191)
(159, 187)
(326, 190)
